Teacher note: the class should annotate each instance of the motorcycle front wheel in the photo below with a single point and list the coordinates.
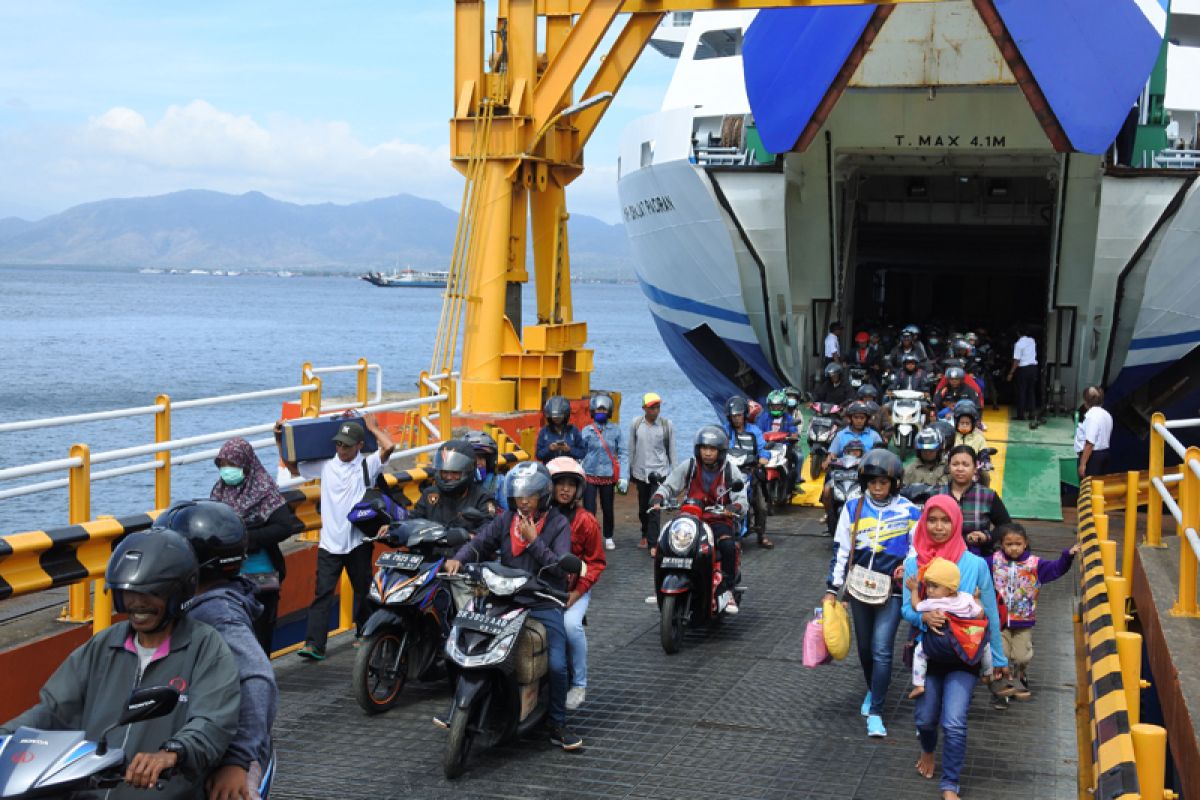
(380, 670)
(458, 746)
(671, 623)
(815, 460)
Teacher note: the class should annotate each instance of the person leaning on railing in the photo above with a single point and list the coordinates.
(246, 486)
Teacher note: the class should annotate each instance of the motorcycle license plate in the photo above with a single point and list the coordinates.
(404, 561)
(480, 622)
(672, 562)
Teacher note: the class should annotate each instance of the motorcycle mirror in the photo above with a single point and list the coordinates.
(572, 564)
(456, 537)
(991, 451)
(737, 486)
(150, 702)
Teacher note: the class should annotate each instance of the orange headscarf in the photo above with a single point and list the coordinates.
(951, 549)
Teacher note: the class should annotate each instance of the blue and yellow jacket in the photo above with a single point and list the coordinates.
(885, 529)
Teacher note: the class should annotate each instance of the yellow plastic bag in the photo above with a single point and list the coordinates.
(837, 627)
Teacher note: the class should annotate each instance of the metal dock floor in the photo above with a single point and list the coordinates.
(734, 715)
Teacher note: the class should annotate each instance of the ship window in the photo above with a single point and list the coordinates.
(719, 44)
(647, 153)
(681, 19)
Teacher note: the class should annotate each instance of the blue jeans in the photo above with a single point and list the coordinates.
(556, 633)
(875, 634)
(946, 700)
(577, 639)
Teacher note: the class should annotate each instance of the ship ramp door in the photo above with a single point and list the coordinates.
(960, 250)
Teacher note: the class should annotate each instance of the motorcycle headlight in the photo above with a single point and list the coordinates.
(682, 534)
(501, 584)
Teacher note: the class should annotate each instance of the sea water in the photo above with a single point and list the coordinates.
(78, 340)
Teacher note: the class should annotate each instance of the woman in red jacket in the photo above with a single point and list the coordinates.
(587, 544)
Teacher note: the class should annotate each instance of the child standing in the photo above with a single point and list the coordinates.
(941, 580)
(1019, 575)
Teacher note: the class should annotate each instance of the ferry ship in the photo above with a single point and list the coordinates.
(409, 278)
(959, 162)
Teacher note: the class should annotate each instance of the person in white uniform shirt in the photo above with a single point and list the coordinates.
(344, 479)
(1093, 434)
(1025, 367)
(833, 345)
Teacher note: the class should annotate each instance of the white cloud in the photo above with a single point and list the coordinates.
(121, 153)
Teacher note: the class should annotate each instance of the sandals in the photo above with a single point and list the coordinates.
(766, 543)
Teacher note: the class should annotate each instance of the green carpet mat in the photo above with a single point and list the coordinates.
(1031, 482)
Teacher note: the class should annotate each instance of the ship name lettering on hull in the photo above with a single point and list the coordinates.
(659, 204)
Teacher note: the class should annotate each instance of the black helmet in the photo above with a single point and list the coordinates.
(909, 358)
(600, 402)
(965, 408)
(962, 345)
(833, 368)
(712, 436)
(483, 445)
(157, 562)
(456, 455)
(792, 391)
(858, 407)
(956, 374)
(929, 438)
(867, 390)
(529, 479)
(881, 463)
(557, 406)
(946, 429)
(736, 405)
(215, 532)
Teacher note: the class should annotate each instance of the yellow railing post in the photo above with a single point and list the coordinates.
(1150, 752)
(421, 413)
(445, 415)
(1131, 511)
(1189, 504)
(310, 402)
(361, 384)
(162, 433)
(1129, 652)
(1108, 557)
(1155, 468)
(1118, 595)
(345, 602)
(79, 510)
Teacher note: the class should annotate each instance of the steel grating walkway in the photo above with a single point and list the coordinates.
(734, 715)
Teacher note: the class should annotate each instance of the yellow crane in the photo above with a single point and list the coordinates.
(518, 136)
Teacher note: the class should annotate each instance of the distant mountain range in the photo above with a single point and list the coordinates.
(202, 229)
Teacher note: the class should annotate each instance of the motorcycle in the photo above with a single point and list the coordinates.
(780, 484)
(411, 609)
(65, 764)
(843, 478)
(687, 574)
(857, 376)
(908, 407)
(821, 430)
(503, 687)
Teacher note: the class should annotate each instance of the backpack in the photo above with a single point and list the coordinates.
(960, 643)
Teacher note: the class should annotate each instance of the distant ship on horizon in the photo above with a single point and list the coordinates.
(409, 278)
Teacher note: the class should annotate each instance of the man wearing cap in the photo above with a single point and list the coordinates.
(651, 453)
(344, 479)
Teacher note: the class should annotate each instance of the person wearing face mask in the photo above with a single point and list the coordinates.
(245, 486)
(606, 462)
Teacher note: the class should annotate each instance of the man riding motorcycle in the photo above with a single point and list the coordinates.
(708, 478)
(486, 458)
(929, 467)
(747, 437)
(779, 420)
(835, 388)
(454, 488)
(881, 417)
(866, 355)
(910, 377)
(909, 343)
(956, 386)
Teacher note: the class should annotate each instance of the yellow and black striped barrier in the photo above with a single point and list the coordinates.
(1105, 741)
(34, 560)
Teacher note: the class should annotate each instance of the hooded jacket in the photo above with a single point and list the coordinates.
(89, 690)
(231, 608)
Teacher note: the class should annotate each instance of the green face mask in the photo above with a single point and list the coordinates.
(232, 476)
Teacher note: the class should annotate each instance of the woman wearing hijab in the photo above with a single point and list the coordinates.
(245, 486)
(948, 686)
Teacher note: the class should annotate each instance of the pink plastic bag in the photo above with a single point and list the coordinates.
(815, 651)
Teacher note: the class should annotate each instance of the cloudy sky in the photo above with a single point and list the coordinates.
(308, 102)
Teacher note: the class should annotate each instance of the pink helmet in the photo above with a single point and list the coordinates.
(565, 465)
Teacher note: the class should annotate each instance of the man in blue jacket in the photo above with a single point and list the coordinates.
(532, 536)
(746, 438)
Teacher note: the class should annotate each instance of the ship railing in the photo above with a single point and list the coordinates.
(1105, 597)
(1177, 159)
(716, 156)
(34, 560)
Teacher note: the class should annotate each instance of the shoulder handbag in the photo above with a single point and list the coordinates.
(863, 583)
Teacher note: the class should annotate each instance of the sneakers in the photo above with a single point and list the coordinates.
(609, 544)
(875, 727)
(730, 603)
(442, 721)
(575, 697)
(866, 706)
(311, 652)
(564, 738)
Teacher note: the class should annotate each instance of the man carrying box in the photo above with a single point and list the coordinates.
(344, 478)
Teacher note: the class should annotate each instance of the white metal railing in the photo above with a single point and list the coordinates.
(1176, 159)
(73, 419)
(376, 368)
(720, 156)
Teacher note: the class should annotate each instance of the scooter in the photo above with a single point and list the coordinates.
(908, 408)
(411, 609)
(501, 656)
(821, 430)
(843, 477)
(65, 764)
(780, 484)
(687, 573)
(857, 376)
